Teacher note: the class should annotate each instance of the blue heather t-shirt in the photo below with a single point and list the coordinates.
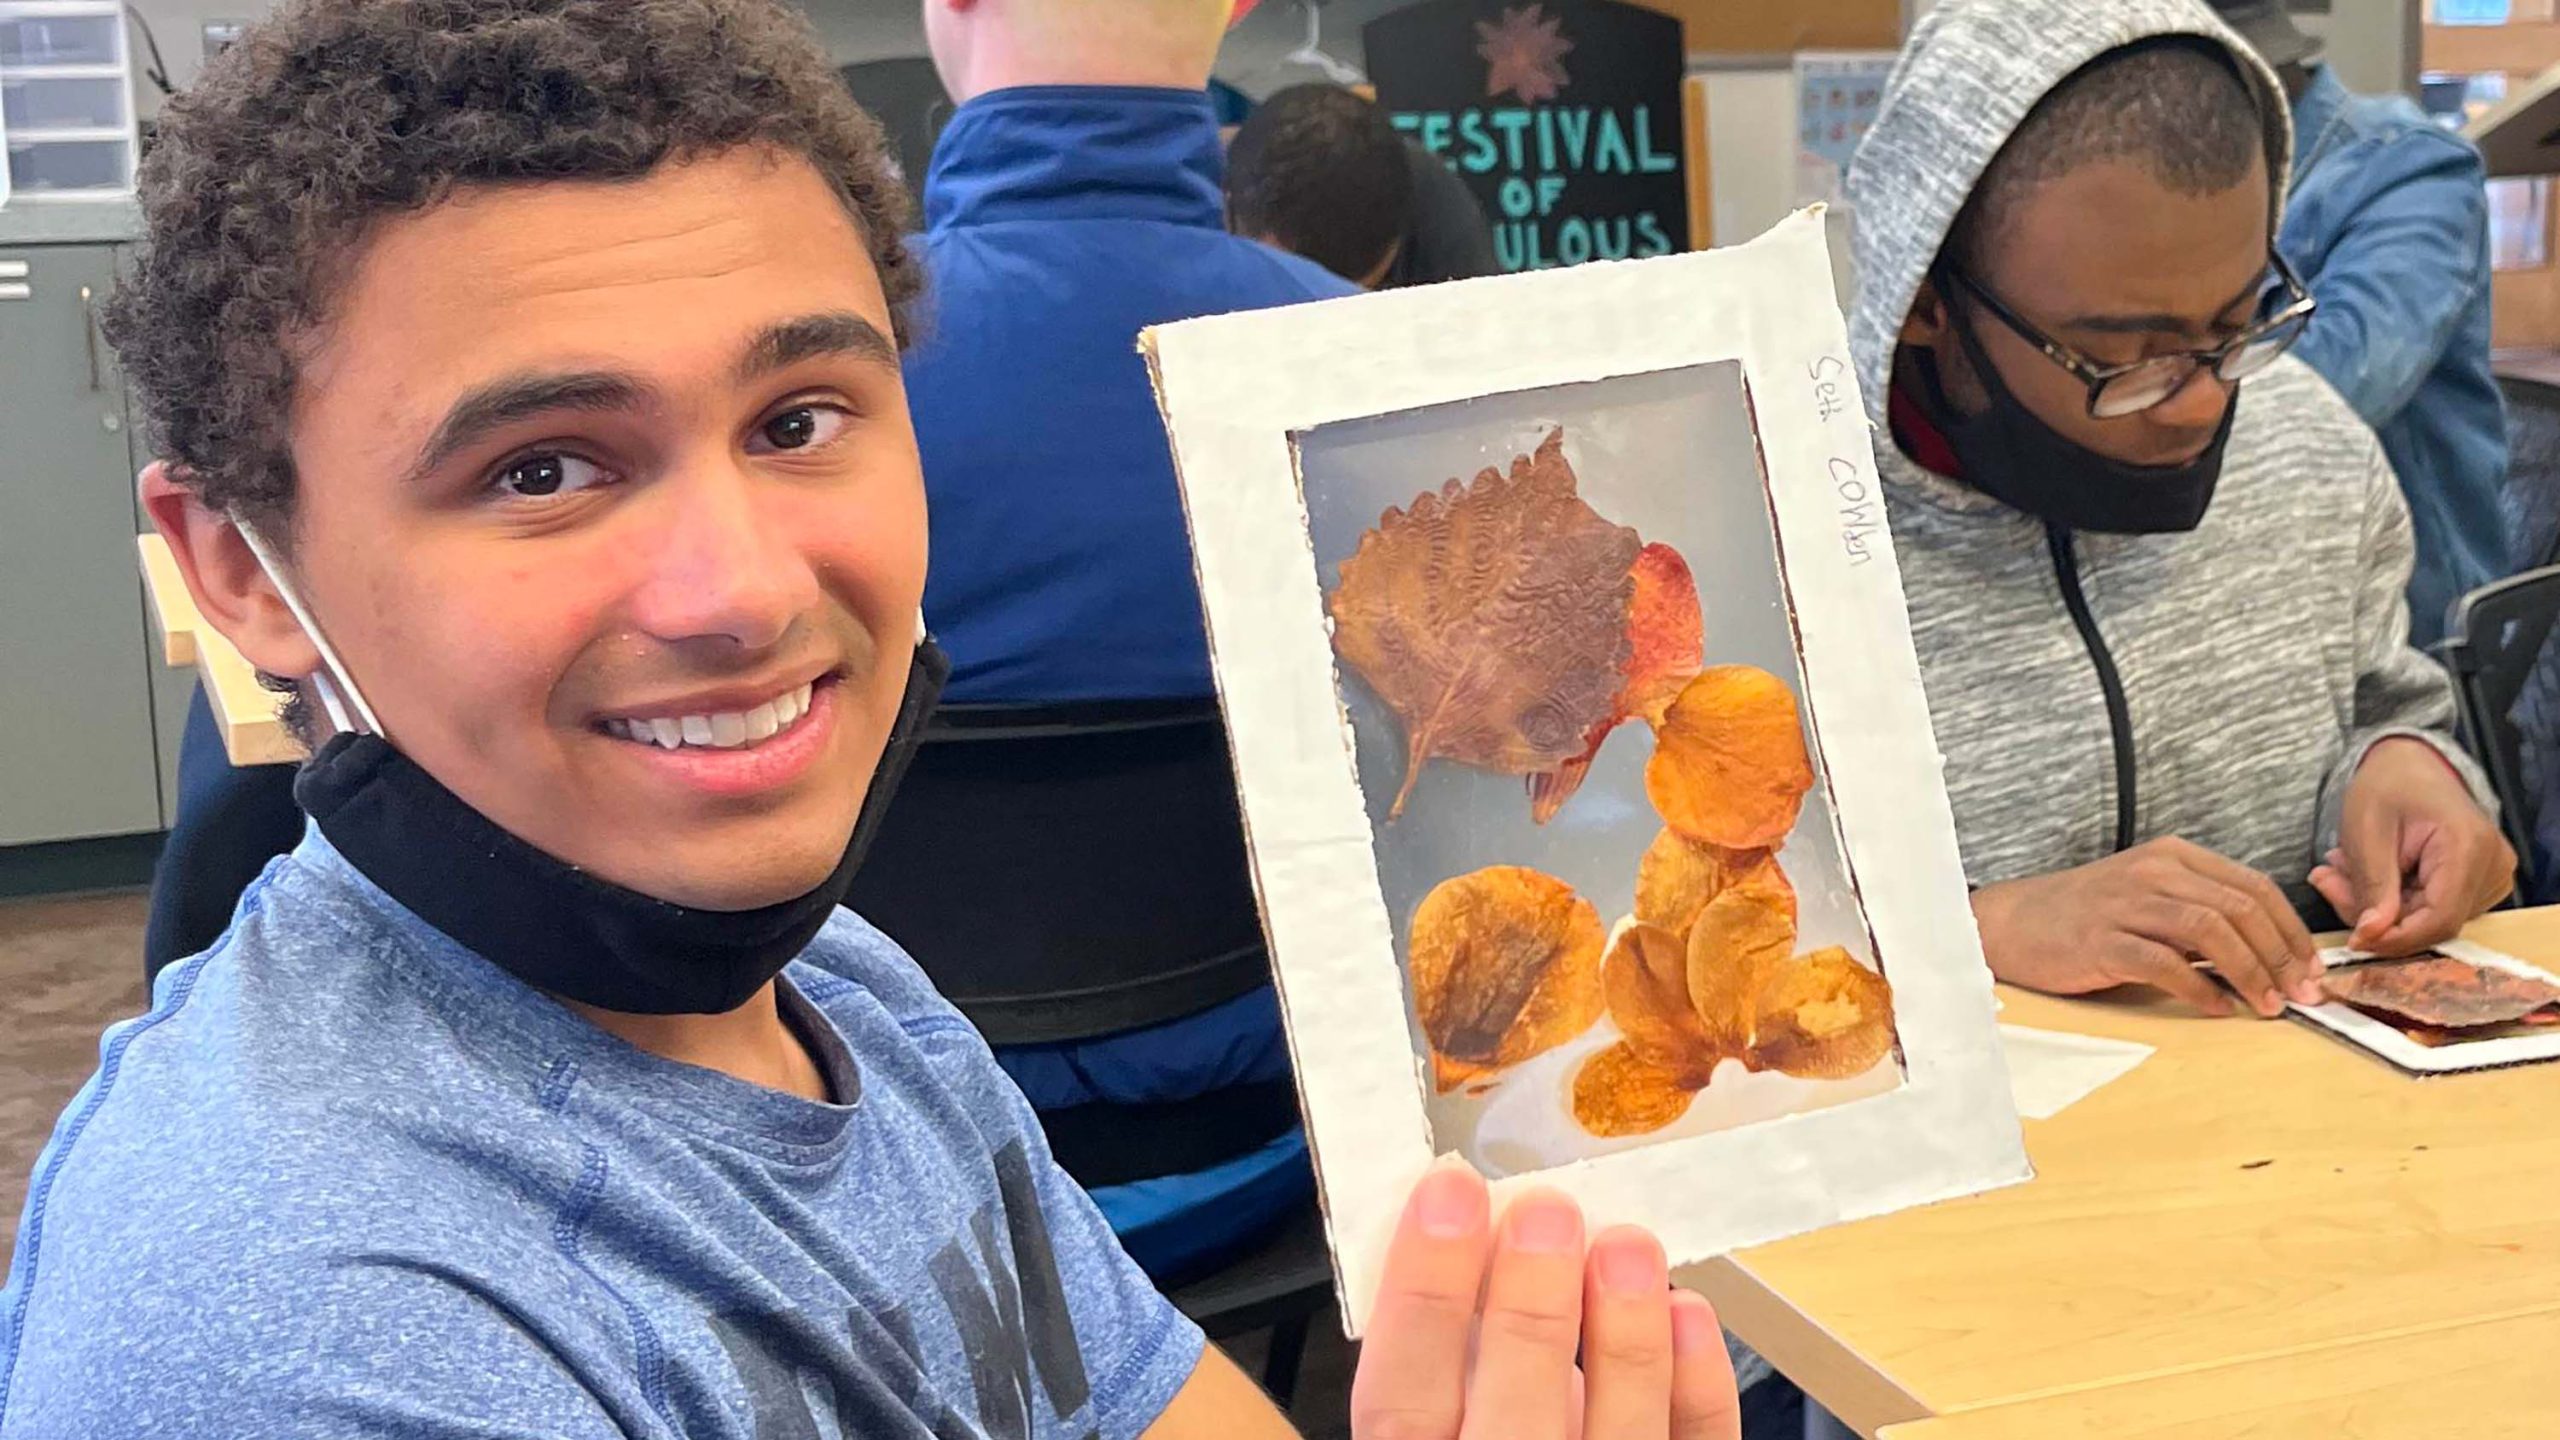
(349, 1179)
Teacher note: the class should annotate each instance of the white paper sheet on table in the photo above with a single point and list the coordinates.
(2051, 1070)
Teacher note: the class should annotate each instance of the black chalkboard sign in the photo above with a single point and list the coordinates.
(1562, 115)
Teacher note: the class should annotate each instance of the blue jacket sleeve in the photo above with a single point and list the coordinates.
(2408, 255)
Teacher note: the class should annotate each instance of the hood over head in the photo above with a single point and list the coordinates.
(1968, 76)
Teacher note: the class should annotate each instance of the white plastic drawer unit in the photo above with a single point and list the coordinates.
(34, 101)
(68, 164)
(66, 101)
(50, 32)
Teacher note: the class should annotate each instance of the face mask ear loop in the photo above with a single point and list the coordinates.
(333, 671)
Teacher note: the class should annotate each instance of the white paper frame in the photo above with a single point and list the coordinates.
(1234, 388)
(2362, 1030)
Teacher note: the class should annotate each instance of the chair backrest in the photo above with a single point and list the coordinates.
(1069, 871)
(2533, 468)
(2507, 677)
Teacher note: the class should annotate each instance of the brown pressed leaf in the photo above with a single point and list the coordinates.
(1823, 1016)
(1666, 641)
(2440, 990)
(1647, 978)
(1741, 938)
(1678, 876)
(1505, 964)
(1617, 1092)
(1729, 765)
(1491, 617)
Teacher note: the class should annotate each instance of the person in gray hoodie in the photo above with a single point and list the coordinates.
(2154, 565)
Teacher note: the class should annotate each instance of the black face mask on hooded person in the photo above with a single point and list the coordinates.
(548, 923)
(2015, 458)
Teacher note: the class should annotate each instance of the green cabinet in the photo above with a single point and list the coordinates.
(79, 753)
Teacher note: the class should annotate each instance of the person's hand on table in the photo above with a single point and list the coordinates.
(2417, 858)
(2143, 917)
(1477, 1328)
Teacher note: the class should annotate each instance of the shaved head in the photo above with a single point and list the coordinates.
(2175, 106)
(983, 45)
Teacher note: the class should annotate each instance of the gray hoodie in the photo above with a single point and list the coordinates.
(2262, 654)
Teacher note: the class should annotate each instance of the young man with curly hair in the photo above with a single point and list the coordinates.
(526, 373)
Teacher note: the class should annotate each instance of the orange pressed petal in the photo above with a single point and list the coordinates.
(1448, 1074)
(1666, 634)
(1741, 937)
(1678, 876)
(1618, 1093)
(1729, 764)
(1647, 979)
(1505, 964)
(1823, 1016)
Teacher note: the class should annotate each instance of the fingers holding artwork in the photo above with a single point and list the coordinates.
(1486, 1329)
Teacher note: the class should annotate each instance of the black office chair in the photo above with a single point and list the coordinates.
(2532, 489)
(1069, 872)
(2506, 674)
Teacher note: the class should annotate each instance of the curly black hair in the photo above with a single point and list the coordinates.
(334, 115)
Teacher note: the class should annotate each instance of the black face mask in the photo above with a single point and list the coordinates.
(2018, 460)
(556, 927)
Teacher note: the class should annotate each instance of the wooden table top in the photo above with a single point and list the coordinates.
(2489, 1381)
(2255, 1192)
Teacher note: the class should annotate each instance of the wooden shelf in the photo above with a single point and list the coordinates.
(249, 715)
(2528, 48)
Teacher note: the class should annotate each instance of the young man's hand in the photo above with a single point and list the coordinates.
(2417, 859)
(1476, 1329)
(2142, 918)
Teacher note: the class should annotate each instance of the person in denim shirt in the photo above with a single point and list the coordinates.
(2388, 223)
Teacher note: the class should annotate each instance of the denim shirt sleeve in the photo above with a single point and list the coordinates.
(2392, 237)
(2399, 692)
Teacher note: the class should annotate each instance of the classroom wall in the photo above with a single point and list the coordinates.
(881, 29)
(853, 30)
(180, 26)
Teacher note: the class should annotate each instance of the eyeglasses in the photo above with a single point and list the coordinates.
(2119, 390)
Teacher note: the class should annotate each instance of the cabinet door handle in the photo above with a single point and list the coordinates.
(89, 333)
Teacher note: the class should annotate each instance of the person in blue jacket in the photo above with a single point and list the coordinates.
(1074, 199)
(2387, 222)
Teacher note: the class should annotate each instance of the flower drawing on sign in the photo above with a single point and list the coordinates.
(1524, 54)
